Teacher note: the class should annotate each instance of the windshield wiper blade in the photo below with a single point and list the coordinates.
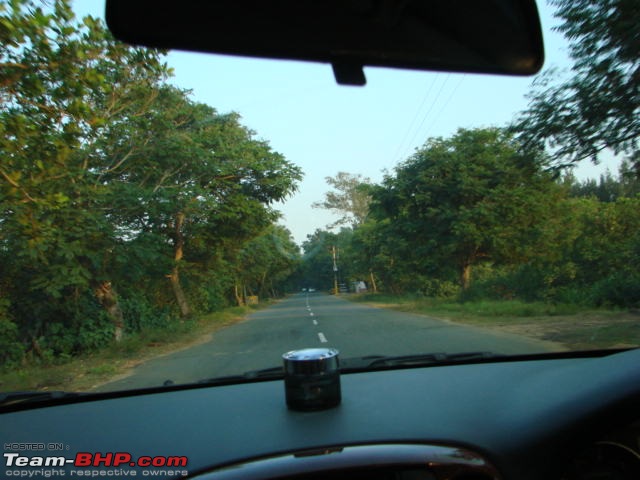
(12, 398)
(375, 361)
(359, 364)
(422, 359)
(273, 372)
(265, 373)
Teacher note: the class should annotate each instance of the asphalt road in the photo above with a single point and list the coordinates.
(318, 320)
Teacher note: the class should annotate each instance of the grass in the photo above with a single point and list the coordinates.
(482, 311)
(574, 327)
(511, 308)
(87, 371)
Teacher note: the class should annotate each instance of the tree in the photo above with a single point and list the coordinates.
(593, 258)
(63, 84)
(608, 188)
(381, 256)
(317, 267)
(598, 106)
(350, 199)
(266, 262)
(464, 200)
(111, 181)
(209, 186)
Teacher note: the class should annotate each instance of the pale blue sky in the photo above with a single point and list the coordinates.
(325, 128)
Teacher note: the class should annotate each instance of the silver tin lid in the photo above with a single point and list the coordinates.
(310, 361)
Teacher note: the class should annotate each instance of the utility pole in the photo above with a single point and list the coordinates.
(335, 271)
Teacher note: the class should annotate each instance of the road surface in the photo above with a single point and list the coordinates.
(318, 320)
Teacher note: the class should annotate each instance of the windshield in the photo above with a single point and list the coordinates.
(172, 217)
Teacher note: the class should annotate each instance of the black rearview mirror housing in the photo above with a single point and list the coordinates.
(481, 36)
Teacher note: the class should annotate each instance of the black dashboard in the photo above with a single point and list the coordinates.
(556, 418)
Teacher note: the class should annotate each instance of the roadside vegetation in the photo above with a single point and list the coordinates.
(126, 207)
(496, 214)
(471, 227)
(489, 226)
(88, 370)
(575, 327)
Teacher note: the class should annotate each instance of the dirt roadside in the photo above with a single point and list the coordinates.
(582, 331)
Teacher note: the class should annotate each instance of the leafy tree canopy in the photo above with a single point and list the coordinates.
(463, 200)
(113, 180)
(350, 198)
(598, 106)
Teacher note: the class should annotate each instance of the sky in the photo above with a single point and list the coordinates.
(325, 128)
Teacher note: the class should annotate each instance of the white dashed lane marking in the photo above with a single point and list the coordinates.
(322, 338)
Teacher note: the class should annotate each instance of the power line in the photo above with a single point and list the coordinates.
(396, 156)
(455, 89)
(427, 114)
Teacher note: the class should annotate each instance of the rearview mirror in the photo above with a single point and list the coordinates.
(483, 36)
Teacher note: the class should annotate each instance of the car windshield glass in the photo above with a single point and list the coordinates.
(175, 217)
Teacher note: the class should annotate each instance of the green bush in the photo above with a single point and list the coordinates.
(528, 282)
(83, 328)
(440, 288)
(95, 333)
(11, 349)
(139, 314)
(575, 295)
(61, 328)
(621, 289)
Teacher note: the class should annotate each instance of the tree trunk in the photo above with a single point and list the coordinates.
(373, 282)
(174, 277)
(263, 279)
(107, 297)
(35, 346)
(238, 296)
(465, 275)
(181, 298)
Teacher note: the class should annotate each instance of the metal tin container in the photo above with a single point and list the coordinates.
(312, 378)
